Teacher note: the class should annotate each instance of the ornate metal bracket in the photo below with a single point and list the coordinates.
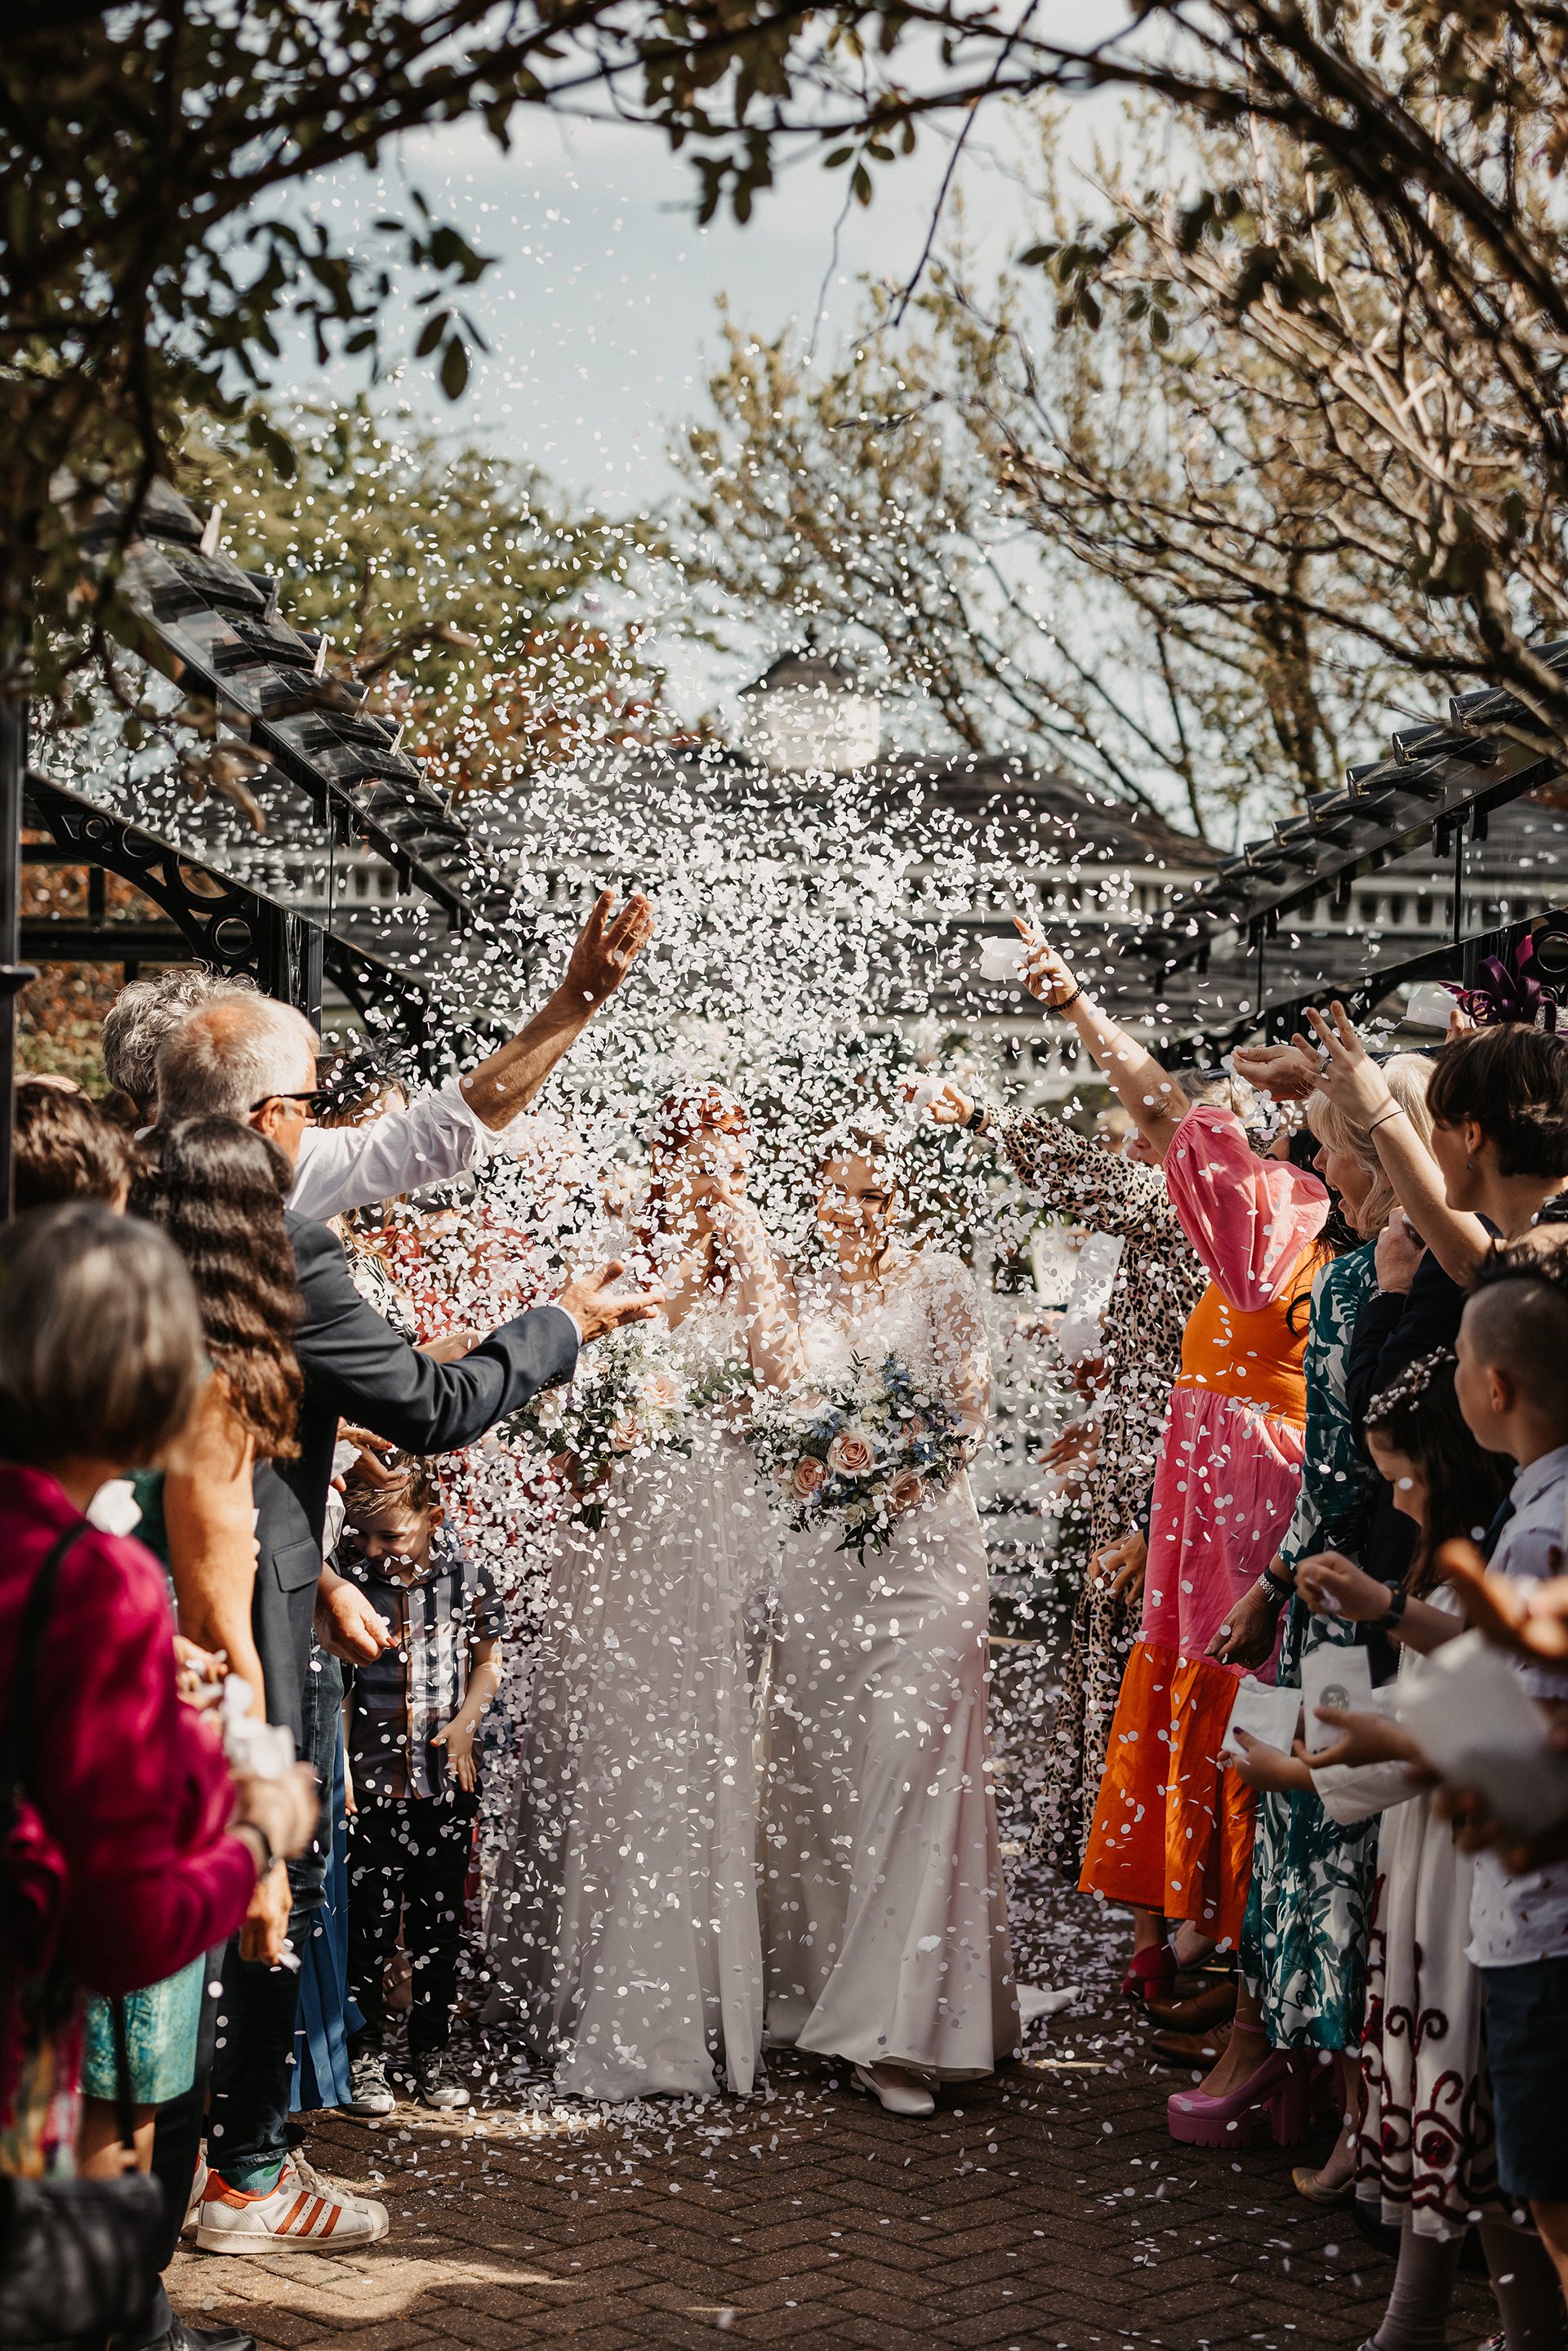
(221, 922)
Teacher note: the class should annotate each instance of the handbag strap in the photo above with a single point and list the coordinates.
(35, 1612)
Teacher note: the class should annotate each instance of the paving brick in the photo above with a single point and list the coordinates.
(535, 2234)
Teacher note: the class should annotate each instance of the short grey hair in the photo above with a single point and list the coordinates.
(146, 1011)
(224, 1059)
(100, 1336)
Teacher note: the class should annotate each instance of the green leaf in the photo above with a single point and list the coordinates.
(453, 368)
(433, 330)
(263, 434)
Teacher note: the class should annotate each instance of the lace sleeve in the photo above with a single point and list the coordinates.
(960, 1345)
(1082, 1179)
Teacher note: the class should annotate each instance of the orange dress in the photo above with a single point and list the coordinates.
(1172, 1831)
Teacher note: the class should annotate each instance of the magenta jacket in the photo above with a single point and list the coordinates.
(132, 1785)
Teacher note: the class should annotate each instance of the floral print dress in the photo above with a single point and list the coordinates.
(1159, 1283)
(1303, 1941)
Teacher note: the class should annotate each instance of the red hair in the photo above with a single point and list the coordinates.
(683, 1116)
(691, 1110)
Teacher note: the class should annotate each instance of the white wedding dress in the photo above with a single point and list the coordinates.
(884, 1912)
(625, 1921)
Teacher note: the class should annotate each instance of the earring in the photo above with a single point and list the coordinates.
(1470, 1167)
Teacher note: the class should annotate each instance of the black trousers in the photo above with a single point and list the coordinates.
(408, 1858)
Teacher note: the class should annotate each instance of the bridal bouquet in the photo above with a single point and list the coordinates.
(865, 1449)
(628, 1396)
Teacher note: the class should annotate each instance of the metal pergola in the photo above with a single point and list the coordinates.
(213, 630)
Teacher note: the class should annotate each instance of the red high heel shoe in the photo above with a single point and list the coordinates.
(1151, 1970)
(1282, 2086)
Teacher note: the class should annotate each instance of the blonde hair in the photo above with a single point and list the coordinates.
(1407, 1075)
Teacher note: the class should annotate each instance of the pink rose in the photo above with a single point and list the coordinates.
(806, 1476)
(906, 1489)
(851, 1454)
(626, 1434)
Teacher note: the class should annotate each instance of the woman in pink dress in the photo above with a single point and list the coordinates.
(1172, 1832)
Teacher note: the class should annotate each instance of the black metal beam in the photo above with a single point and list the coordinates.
(1434, 786)
(209, 918)
(1455, 960)
(214, 629)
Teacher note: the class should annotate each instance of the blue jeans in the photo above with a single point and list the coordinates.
(253, 2067)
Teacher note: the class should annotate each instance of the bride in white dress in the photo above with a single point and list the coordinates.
(626, 1920)
(884, 1912)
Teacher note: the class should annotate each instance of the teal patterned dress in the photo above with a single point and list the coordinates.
(163, 2020)
(1303, 1941)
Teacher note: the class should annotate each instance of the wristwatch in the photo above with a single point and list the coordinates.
(1393, 1613)
(978, 1118)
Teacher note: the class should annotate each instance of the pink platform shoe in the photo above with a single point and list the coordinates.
(1150, 1972)
(1282, 2086)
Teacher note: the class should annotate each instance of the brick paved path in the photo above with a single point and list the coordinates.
(1048, 2208)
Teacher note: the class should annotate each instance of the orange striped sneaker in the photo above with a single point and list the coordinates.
(300, 2210)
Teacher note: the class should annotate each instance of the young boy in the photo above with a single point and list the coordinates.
(409, 1726)
(1511, 1384)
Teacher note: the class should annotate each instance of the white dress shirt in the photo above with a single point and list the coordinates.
(436, 1137)
(1515, 1920)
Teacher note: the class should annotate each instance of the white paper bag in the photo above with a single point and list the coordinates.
(1333, 1674)
(1002, 958)
(1479, 1728)
(1265, 1712)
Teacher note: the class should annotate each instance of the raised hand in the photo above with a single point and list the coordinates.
(951, 1107)
(607, 946)
(1285, 1072)
(1332, 1585)
(586, 1299)
(1350, 1076)
(1045, 975)
(1399, 1251)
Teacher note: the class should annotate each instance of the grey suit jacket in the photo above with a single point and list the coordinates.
(357, 1366)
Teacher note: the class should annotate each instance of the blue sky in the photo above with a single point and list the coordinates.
(599, 311)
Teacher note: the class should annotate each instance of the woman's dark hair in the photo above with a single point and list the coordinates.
(1337, 1236)
(217, 1188)
(1420, 1417)
(66, 1148)
(100, 1338)
(1513, 1082)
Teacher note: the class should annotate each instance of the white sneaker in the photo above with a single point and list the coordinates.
(302, 2210)
(369, 2092)
(198, 2189)
(902, 2096)
(306, 2176)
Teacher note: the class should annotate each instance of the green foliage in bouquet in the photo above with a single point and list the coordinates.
(866, 1450)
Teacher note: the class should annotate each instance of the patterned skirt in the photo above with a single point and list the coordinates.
(1425, 2142)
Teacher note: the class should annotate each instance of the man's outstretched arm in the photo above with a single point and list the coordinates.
(440, 1134)
(606, 948)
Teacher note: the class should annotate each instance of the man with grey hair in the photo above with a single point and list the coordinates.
(145, 1013)
(441, 1133)
(246, 1057)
